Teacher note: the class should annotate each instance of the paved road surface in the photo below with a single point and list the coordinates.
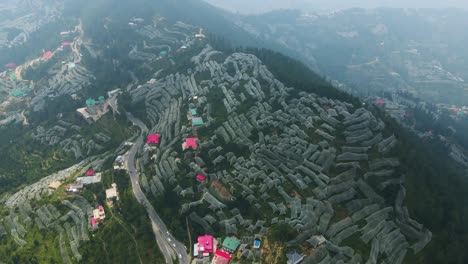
(169, 246)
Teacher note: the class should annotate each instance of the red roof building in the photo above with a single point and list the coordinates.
(66, 43)
(190, 143)
(90, 173)
(205, 245)
(47, 55)
(201, 177)
(93, 221)
(153, 139)
(221, 257)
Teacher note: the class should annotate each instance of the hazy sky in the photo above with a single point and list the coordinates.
(256, 6)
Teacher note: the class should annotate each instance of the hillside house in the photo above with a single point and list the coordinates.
(221, 257)
(190, 143)
(230, 244)
(197, 121)
(201, 178)
(294, 258)
(54, 185)
(153, 139)
(112, 194)
(205, 245)
(99, 214)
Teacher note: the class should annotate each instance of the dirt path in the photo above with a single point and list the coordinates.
(25, 119)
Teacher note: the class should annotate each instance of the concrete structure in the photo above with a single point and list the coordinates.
(90, 179)
(195, 250)
(75, 187)
(98, 215)
(112, 194)
(294, 258)
(119, 163)
(54, 185)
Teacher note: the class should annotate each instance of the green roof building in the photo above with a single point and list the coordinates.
(17, 94)
(193, 111)
(90, 102)
(163, 53)
(101, 98)
(230, 244)
(197, 121)
(13, 76)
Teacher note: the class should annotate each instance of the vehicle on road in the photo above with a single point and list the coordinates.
(168, 239)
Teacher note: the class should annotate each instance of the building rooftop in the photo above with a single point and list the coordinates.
(193, 111)
(153, 139)
(231, 243)
(294, 258)
(195, 250)
(205, 244)
(257, 243)
(90, 101)
(89, 179)
(190, 143)
(47, 54)
(112, 192)
(90, 173)
(54, 185)
(201, 177)
(197, 121)
(221, 257)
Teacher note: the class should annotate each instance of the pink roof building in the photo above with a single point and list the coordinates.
(90, 173)
(205, 245)
(47, 55)
(93, 221)
(153, 139)
(190, 143)
(10, 65)
(100, 208)
(66, 43)
(221, 257)
(379, 102)
(201, 177)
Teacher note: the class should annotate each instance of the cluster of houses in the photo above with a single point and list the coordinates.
(193, 116)
(90, 177)
(94, 109)
(119, 163)
(208, 246)
(98, 214)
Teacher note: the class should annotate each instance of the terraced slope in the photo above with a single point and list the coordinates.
(320, 166)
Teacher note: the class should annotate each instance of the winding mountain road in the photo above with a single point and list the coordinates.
(169, 246)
